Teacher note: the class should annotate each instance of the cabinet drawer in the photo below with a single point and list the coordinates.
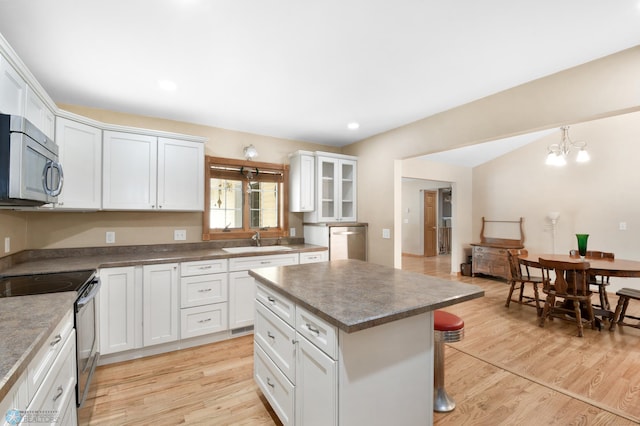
(276, 338)
(58, 386)
(45, 357)
(251, 262)
(277, 303)
(314, 256)
(201, 320)
(200, 267)
(274, 385)
(201, 290)
(318, 331)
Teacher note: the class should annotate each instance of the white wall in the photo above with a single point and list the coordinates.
(592, 198)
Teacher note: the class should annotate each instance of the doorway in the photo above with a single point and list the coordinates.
(430, 223)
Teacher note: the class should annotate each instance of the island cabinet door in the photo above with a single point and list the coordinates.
(316, 386)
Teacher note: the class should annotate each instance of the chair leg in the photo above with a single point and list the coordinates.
(545, 312)
(604, 302)
(616, 314)
(511, 288)
(521, 292)
(536, 294)
(576, 309)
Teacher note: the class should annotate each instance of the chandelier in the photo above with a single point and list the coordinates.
(558, 152)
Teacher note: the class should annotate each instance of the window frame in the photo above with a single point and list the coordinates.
(234, 168)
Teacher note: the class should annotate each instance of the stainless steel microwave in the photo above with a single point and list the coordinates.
(30, 174)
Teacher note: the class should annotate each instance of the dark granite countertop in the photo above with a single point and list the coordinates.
(65, 260)
(354, 295)
(25, 323)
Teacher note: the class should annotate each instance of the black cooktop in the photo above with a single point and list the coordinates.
(24, 285)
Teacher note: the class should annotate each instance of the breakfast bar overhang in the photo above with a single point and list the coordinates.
(383, 322)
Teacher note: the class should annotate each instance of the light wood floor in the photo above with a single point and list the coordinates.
(506, 371)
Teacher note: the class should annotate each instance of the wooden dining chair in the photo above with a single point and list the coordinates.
(520, 275)
(601, 282)
(566, 281)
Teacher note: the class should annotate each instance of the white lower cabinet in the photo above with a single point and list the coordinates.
(316, 386)
(138, 307)
(242, 287)
(45, 392)
(117, 310)
(286, 358)
(160, 304)
(203, 297)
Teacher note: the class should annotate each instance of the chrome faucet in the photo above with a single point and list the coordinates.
(256, 238)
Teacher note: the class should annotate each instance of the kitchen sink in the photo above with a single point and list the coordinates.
(254, 249)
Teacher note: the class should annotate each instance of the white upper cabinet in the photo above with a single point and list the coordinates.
(129, 171)
(336, 199)
(180, 175)
(18, 98)
(302, 181)
(80, 153)
(13, 89)
(39, 114)
(142, 172)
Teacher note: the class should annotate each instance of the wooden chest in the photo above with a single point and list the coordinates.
(491, 260)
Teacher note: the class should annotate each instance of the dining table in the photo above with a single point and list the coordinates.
(602, 267)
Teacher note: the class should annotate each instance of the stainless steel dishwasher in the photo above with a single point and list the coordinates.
(348, 242)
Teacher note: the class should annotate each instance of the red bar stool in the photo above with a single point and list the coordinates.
(448, 328)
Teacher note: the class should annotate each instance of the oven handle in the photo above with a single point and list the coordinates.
(95, 287)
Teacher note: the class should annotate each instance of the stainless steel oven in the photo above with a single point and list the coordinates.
(86, 337)
(86, 284)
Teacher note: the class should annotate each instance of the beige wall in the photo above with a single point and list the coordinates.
(592, 198)
(37, 230)
(605, 87)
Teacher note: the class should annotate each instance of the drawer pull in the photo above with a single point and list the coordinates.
(205, 267)
(265, 262)
(270, 384)
(270, 335)
(59, 394)
(202, 321)
(271, 299)
(56, 340)
(313, 329)
(204, 290)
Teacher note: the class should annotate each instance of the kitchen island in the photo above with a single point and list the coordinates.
(349, 342)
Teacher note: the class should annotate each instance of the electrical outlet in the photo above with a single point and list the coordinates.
(7, 244)
(623, 226)
(179, 234)
(110, 237)
(292, 232)
(386, 233)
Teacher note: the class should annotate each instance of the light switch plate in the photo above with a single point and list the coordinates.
(623, 226)
(7, 244)
(180, 235)
(110, 237)
(386, 233)
(292, 232)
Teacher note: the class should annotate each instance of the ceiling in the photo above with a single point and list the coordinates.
(302, 69)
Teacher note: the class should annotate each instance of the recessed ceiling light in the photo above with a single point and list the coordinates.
(353, 126)
(167, 85)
